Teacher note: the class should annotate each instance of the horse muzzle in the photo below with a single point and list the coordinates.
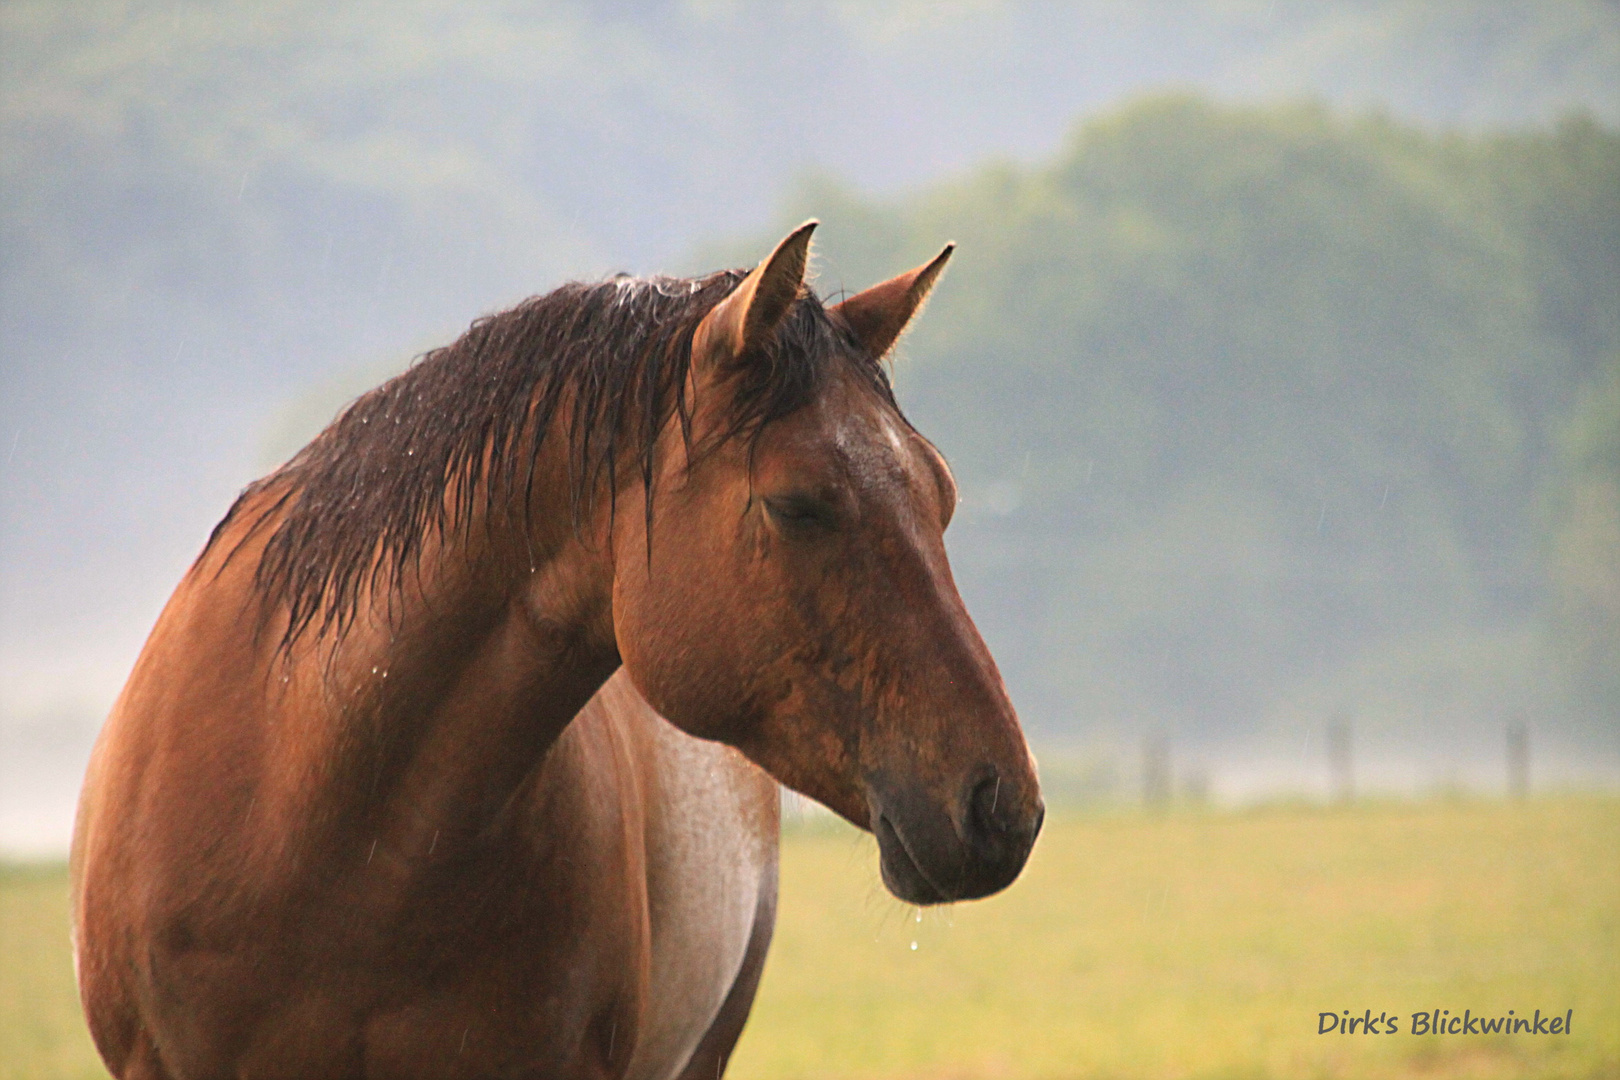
(933, 854)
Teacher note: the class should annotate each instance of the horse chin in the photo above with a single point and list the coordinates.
(901, 874)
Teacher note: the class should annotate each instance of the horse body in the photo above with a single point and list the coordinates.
(290, 930)
(374, 802)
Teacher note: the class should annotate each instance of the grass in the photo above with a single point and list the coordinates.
(42, 1034)
(1198, 945)
(1205, 945)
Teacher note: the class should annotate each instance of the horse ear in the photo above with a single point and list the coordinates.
(746, 319)
(878, 315)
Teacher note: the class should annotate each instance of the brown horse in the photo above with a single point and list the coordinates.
(357, 812)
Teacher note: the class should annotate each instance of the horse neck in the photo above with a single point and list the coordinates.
(446, 690)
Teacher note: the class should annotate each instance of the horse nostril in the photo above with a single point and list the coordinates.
(993, 816)
(1000, 820)
(996, 819)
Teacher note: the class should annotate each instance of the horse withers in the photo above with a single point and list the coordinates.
(386, 794)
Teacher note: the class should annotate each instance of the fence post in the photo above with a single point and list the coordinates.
(1341, 761)
(1155, 772)
(1518, 759)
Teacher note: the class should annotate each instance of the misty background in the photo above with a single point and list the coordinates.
(1279, 360)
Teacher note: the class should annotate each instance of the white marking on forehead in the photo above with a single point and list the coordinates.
(895, 434)
(872, 456)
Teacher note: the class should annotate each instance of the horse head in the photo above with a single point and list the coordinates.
(788, 591)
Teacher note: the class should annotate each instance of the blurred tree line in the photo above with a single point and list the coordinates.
(209, 206)
(1263, 413)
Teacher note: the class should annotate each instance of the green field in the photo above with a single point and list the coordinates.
(1193, 945)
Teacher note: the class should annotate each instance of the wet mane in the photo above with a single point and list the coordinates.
(462, 428)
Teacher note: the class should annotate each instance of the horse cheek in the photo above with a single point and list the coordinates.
(671, 654)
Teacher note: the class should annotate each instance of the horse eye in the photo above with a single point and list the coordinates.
(800, 511)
